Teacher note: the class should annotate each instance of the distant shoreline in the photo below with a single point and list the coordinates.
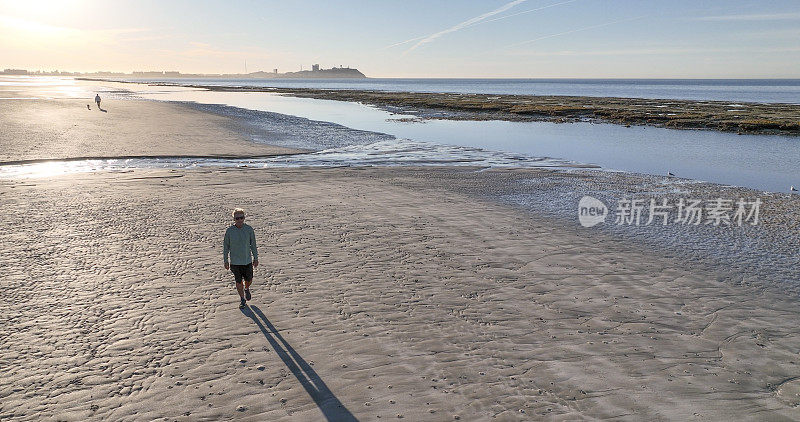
(315, 72)
(743, 117)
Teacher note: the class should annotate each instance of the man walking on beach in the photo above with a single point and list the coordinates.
(97, 100)
(239, 243)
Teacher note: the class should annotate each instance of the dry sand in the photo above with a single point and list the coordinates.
(384, 293)
(64, 128)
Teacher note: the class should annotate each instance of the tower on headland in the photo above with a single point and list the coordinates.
(315, 68)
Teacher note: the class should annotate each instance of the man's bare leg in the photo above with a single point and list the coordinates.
(240, 290)
(247, 288)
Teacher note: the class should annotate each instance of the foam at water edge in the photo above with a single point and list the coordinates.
(397, 152)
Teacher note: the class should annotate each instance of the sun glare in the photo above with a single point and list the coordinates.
(41, 9)
(39, 19)
(25, 25)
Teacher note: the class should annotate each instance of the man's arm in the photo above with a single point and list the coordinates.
(254, 248)
(226, 249)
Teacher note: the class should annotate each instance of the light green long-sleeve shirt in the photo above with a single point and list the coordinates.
(239, 243)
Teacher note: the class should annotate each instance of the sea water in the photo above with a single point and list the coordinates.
(766, 162)
(745, 90)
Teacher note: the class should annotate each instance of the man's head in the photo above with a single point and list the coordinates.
(238, 217)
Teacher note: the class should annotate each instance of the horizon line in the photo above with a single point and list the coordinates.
(201, 75)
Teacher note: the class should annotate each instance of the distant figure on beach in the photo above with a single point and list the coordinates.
(97, 100)
(239, 243)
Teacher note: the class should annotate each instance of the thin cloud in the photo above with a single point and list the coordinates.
(654, 51)
(402, 42)
(26, 33)
(36, 26)
(573, 31)
(774, 34)
(145, 38)
(753, 17)
(526, 11)
(200, 49)
(463, 25)
(487, 21)
(20, 24)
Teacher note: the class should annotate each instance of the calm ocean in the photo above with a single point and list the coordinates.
(739, 90)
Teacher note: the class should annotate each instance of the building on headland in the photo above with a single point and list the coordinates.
(15, 72)
(316, 72)
(57, 72)
(156, 74)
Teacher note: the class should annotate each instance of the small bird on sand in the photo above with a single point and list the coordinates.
(87, 107)
(793, 189)
(669, 173)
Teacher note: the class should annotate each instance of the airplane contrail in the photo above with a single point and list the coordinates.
(462, 25)
(403, 42)
(573, 31)
(527, 11)
(487, 21)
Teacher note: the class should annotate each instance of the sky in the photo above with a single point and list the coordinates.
(409, 38)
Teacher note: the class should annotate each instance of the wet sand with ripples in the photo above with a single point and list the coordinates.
(393, 292)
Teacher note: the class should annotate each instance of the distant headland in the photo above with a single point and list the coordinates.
(315, 73)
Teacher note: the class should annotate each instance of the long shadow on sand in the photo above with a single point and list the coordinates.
(331, 407)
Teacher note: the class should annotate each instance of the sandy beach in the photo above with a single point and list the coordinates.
(383, 293)
(41, 129)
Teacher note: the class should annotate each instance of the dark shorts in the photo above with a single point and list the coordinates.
(242, 272)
